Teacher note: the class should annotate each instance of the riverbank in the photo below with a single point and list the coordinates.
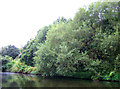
(16, 66)
(63, 77)
(26, 80)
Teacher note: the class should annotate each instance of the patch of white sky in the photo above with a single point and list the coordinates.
(21, 19)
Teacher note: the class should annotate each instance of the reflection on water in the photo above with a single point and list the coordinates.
(25, 80)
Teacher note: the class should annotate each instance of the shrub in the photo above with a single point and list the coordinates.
(4, 61)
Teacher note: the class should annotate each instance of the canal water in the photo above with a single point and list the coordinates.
(27, 80)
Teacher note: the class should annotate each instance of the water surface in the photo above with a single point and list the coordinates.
(27, 80)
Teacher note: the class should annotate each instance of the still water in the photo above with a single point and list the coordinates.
(27, 80)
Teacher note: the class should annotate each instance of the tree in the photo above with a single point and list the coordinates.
(85, 44)
(62, 20)
(41, 34)
(10, 50)
(27, 53)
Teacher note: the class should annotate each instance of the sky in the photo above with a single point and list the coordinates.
(21, 19)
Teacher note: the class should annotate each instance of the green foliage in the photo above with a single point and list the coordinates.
(62, 20)
(82, 75)
(4, 61)
(114, 76)
(9, 65)
(45, 63)
(11, 51)
(89, 43)
(20, 67)
(117, 63)
(30, 48)
(28, 53)
(85, 47)
(41, 34)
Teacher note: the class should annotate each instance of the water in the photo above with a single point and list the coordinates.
(27, 80)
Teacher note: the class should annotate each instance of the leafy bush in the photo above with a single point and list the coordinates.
(9, 65)
(22, 67)
(5, 60)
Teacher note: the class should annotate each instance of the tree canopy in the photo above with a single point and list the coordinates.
(10, 50)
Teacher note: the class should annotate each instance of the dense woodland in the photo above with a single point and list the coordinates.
(87, 46)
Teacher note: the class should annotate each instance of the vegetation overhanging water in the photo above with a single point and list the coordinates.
(27, 80)
(86, 47)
